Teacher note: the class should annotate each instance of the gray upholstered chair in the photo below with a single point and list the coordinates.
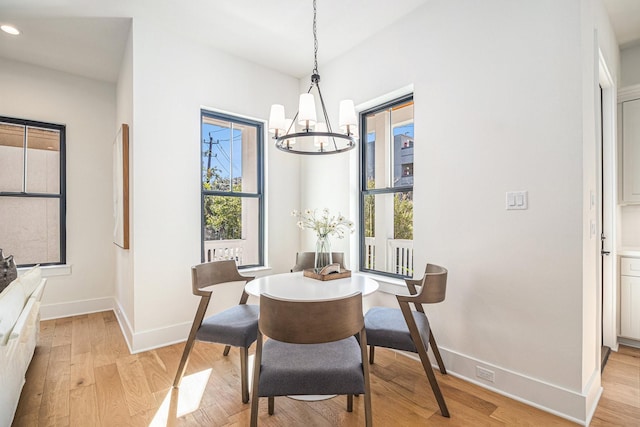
(312, 350)
(306, 260)
(409, 330)
(236, 326)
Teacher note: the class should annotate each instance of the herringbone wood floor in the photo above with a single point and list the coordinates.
(83, 375)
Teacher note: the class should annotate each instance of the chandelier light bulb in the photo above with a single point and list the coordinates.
(307, 111)
(347, 115)
(290, 128)
(277, 122)
(321, 141)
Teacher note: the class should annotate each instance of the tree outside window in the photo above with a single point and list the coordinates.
(232, 199)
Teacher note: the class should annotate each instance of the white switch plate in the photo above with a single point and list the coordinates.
(517, 200)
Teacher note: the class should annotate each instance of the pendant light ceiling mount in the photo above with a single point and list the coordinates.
(315, 137)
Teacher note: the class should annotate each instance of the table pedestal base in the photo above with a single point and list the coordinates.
(313, 397)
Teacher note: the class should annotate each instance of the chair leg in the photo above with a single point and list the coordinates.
(436, 352)
(256, 379)
(426, 364)
(244, 373)
(197, 321)
(349, 402)
(424, 357)
(371, 354)
(272, 404)
(183, 362)
(226, 350)
(367, 381)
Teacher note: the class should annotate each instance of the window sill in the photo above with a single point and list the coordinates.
(388, 285)
(254, 269)
(51, 270)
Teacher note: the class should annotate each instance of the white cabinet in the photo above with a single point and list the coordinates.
(630, 298)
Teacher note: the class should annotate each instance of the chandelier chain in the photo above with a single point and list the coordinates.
(315, 40)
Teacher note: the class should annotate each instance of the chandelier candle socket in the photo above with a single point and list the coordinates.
(316, 135)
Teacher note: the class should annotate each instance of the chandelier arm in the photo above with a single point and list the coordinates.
(326, 116)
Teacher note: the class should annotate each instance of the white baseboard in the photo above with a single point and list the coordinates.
(125, 325)
(136, 341)
(75, 308)
(568, 404)
(139, 342)
(160, 337)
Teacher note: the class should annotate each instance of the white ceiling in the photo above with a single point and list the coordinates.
(87, 37)
(625, 19)
(274, 33)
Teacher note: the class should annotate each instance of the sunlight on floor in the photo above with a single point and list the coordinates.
(182, 401)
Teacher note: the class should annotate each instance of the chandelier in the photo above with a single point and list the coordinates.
(315, 136)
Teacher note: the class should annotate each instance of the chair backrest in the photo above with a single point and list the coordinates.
(306, 260)
(310, 322)
(215, 273)
(433, 285)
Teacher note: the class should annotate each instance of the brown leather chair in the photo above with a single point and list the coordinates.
(236, 326)
(306, 260)
(314, 348)
(409, 330)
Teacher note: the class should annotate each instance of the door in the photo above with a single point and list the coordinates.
(603, 221)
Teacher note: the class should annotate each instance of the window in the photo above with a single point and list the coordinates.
(232, 189)
(386, 189)
(32, 191)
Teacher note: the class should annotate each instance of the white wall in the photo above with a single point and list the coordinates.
(173, 78)
(630, 66)
(124, 285)
(87, 108)
(499, 106)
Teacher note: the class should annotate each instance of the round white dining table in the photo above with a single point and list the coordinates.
(296, 287)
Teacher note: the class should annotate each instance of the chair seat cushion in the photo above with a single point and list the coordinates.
(386, 327)
(299, 369)
(236, 326)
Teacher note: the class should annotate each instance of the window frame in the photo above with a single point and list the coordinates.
(259, 125)
(364, 192)
(61, 195)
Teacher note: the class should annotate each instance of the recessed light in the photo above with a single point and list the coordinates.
(9, 29)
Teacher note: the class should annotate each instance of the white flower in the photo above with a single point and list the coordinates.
(325, 224)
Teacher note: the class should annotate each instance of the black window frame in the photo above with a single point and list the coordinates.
(364, 192)
(62, 194)
(260, 182)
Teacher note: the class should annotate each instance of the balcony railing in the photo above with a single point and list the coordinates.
(399, 259)
(218, 250)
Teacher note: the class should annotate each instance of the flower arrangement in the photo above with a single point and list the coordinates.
(324, 224)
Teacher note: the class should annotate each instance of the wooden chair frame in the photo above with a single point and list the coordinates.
(203, 278)
(311, 322)
(307, 260)
(432, 290)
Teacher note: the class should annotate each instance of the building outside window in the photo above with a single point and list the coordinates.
(232, 189)
(32, 191)
(386, 189)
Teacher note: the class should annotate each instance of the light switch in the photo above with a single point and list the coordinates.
(517, 200)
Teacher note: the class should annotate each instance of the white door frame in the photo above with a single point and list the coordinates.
(608, 226)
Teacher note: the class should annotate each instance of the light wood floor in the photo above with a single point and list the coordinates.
(83, 375)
